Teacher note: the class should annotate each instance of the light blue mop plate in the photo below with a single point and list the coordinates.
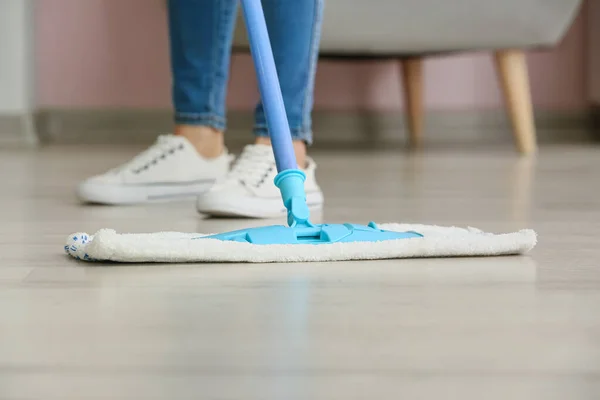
(317, 234)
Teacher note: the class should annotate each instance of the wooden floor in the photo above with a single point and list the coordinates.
(496, 328)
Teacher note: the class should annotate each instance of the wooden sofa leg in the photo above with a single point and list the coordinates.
(412, 78)
(514, 80)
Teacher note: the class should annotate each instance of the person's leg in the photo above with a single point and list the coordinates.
(294, 30)
(188, 163)
(200, 35)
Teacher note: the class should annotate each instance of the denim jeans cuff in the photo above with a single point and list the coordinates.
(204, 119)
(297, 133)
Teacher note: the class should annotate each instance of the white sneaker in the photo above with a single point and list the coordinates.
(170, 169)
(249, 191)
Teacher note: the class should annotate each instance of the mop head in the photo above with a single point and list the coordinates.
(174, 247)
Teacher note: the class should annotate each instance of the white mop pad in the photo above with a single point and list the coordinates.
(174, 247)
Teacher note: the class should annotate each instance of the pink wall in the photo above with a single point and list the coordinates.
(113, 53)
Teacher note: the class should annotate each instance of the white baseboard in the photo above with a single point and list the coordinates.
(17, 130)
(595, 124)
(338, 129)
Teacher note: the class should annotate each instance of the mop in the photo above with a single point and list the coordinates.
(300, 240)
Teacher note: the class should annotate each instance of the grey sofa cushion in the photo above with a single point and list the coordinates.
(419, 26)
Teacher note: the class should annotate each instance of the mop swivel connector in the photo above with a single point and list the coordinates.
(291, 185)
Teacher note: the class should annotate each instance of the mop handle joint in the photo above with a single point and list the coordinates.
(291, 184)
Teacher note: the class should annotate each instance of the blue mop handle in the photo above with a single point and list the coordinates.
(289, 180)
(268, 83)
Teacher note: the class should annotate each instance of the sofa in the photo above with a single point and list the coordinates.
(410, 30)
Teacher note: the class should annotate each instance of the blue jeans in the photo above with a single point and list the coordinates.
(201, 34)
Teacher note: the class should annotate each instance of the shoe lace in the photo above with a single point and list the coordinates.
(252, 166)
(161, 149)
